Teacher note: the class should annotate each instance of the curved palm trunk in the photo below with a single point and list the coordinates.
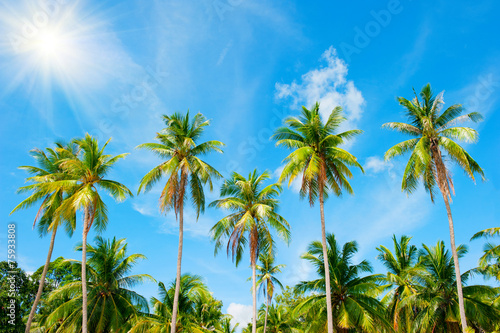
(265, 320)
(254, 297)
(444, 188)
(84, 268)
(325, 259)
(42, 281)
(178, 276)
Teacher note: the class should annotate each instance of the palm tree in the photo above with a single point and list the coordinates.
(267, 280)
(321, 164)
(355, 303)
(192, 288)
(86, 172)
(433, 134)
(280, 320)
(254, 213)
(48, 170)
(489, 263)
(226, 327)
(112, 302)
(208, 312)
(435, 299)
(178, 145)
(402, 274)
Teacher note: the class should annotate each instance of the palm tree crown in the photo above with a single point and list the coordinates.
(316, 153)
(435, 300)
(254, 211)
(354, 297)
(112, 302)
(87, 171)
(48, 170)
(178, 145)
(266, 275)
(434, 132)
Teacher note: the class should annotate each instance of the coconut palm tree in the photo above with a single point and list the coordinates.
(208, 312)
(48, 170)
(489, 263)
(280, 320)
(435, 299)
(322, 166)
(433, 135)
(402, 275)
(112, 302)
(179, 146)
(355, 303)
(226, 327)
(86, 172)
(253, 215)
(192, 289)
(266, 279)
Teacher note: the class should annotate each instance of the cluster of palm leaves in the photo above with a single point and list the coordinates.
(418, 293)
(70, 178)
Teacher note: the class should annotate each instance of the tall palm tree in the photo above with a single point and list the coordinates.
(355, 303)
(179, 146)
(113, 305)
(435, 299)
(402, 274)
(48, 170)
(86, 173)
(321, 164)
(433, 134)
(489, 263)
(266, 279)
(192, 289)
(254, 214)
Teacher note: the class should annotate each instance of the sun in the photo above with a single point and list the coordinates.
(50, 44)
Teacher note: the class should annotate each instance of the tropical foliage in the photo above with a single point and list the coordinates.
(433, 135)
(179, 145)
(421, 289)
(253, 215)
(320, 163)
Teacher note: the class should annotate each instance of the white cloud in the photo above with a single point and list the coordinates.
(327, 85)
(376, 164)
(242, 314)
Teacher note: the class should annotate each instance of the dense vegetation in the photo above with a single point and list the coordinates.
(423, 289)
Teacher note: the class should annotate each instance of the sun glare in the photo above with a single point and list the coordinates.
(50, 44)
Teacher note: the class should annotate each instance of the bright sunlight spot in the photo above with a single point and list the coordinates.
(50, 44)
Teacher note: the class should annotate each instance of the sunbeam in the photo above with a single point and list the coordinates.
(65, 49)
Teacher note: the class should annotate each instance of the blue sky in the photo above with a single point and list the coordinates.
(113, 68)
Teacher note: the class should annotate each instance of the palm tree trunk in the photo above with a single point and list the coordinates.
(84, 268)
(254, 296)
(325, 259)
(444, 188)
(42, 281)
(457, 267)
(178, 276)
(265, 320)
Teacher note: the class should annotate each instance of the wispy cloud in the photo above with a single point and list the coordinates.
(376, 164)
(242, 314)
(327, 85)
